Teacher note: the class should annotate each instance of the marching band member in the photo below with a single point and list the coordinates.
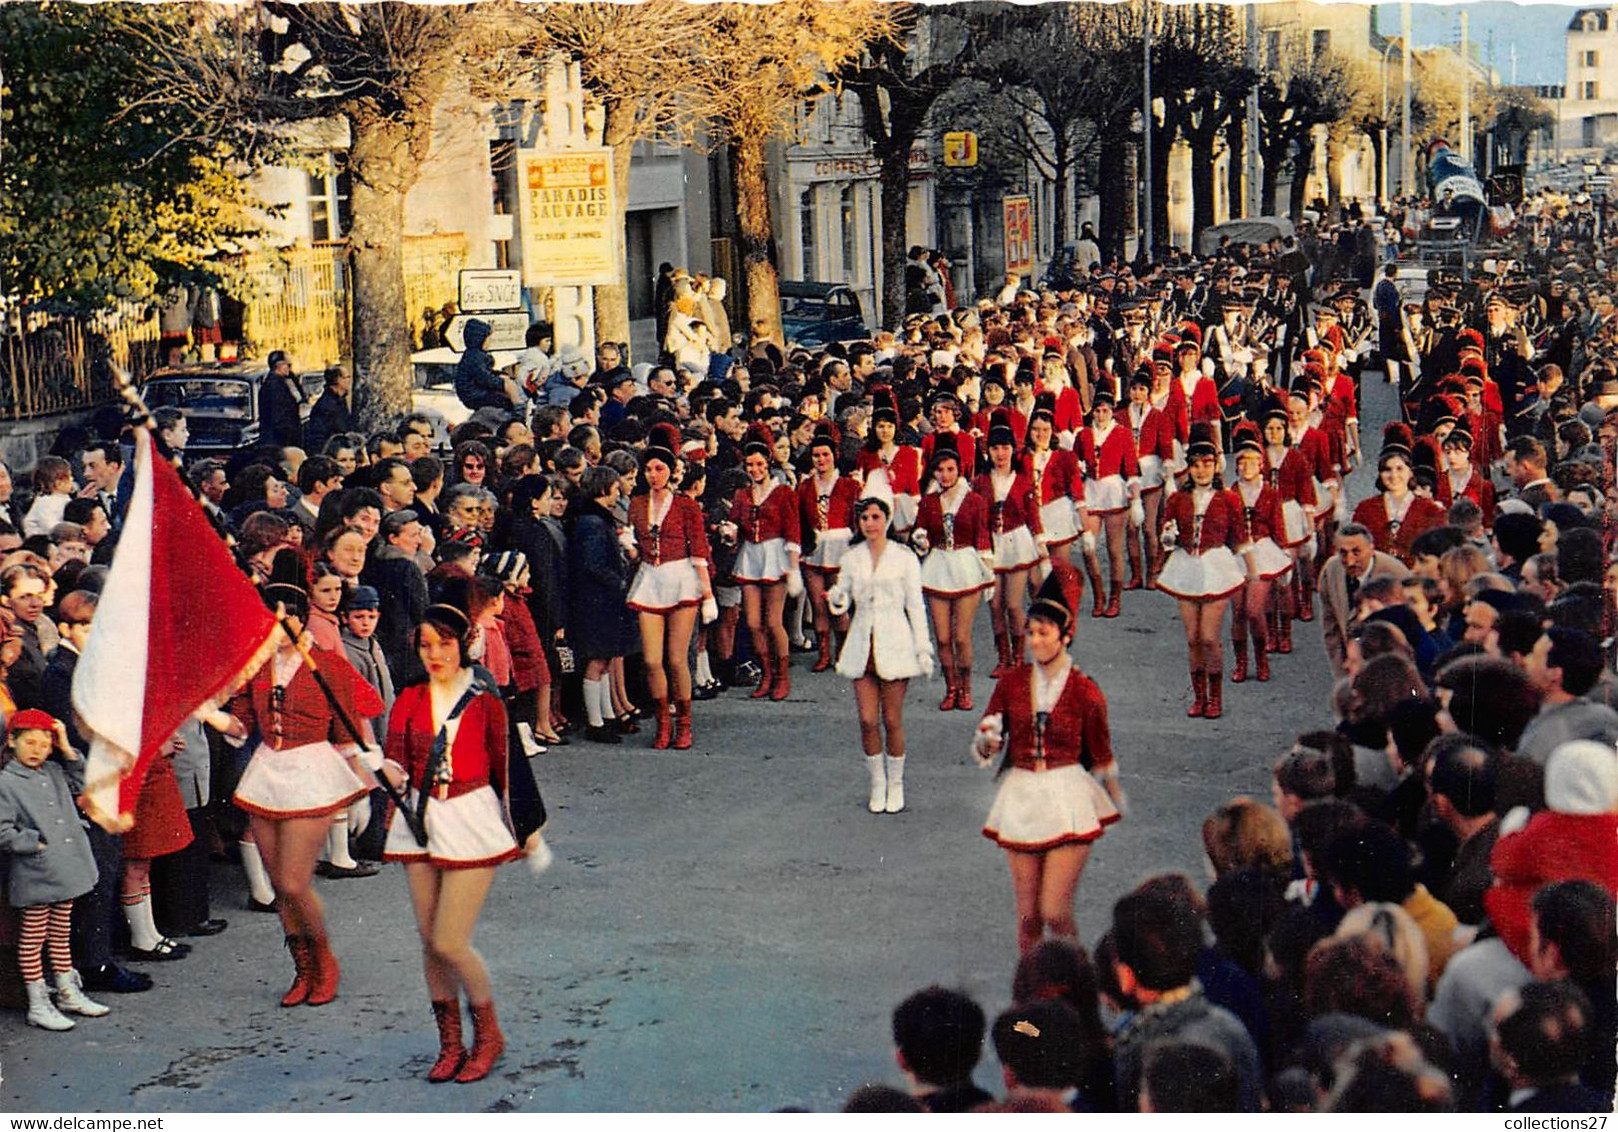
(1154, 435)
(1288, 472)
(1397, 515)
(764, 517)
(1111, 486)
(1263, 528)
(1012, 502)
(826, 510)
(952, 533)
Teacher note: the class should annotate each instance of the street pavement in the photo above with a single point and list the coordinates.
(724, 929)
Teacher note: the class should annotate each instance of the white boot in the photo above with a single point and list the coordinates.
(70, 997)
(879, 784)
(42, 1012)
(895, 800)
(530, 745)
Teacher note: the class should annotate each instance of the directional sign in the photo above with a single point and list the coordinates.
(960, 149)
(508, 331)
(487, 289)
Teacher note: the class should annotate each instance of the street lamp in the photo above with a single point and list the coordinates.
(1382, 187)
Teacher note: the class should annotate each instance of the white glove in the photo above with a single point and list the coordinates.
(838, 600)
(986, 741)
(710, 610)
(924, 659)
(537, 853)
(1087, 540)
(359, 816)
(919, 540)
(1137, 513)
(1171, 534)
(794, 583)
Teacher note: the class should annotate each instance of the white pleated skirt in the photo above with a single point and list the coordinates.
(310, 781)
(1060, 521)
(666, 586)
(1106, 496)
(465, 832)
(954, 573)
(1299, 526)
(1034, 812)
(1151, 473)
(1265, 560)
(1015, 550)
(762, 561)
(1209, 576)
(830, 546)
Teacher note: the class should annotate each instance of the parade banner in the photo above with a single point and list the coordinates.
(1019, 219)
(567, 202)
(178, 625)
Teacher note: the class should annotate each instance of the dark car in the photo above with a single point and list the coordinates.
(220, 403)
(817, 314)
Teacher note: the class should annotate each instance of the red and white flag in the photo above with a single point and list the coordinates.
(178, 626)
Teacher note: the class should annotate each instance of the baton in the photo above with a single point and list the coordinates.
(416, 829)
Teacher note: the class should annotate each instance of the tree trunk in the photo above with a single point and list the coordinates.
(1379, 168)
(1116, 220)
(1335, 149)
(1274, 156)
(1235, 168)
(1162, 149)
(1300, 176)
(757, 238)
(1202, 181)
(895, 208)
(612, 302)
(1062, 214)
(380, 331)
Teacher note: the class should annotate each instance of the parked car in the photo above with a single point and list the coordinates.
(220, 402)
(817, 314)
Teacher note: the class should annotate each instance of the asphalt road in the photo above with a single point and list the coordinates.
(725, 929)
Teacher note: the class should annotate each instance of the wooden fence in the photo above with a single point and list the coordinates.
(55, 363)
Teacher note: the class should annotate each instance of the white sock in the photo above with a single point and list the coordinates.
(143, 932)
(337, 842)
(592, 702)
(704, 669)
(258, 877)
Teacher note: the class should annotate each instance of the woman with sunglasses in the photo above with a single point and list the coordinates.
(470, 463)
(307, 767)
(1048, 722)
(670, 584)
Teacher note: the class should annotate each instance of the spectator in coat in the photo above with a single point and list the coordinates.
(597, 582)
(477, 383)
(280, 405)
(392, 570)
(332, 412)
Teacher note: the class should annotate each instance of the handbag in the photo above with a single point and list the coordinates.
(566, 662)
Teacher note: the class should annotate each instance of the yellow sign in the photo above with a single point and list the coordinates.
(565, 200)
(960, 150)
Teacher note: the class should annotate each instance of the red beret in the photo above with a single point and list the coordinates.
(31, 719)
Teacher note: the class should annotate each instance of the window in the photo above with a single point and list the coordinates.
(329, 214)
(1319, 42)
(1589, 58)
(808, 246)
(1272, 50)
(1590, 91)
(851, 234)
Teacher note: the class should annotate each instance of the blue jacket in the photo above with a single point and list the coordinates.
(597, 582)
(476, 382)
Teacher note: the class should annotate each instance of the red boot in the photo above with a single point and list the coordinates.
(1133, 549)
(1017, 652)
(1114, 601)
(1306, 600)
(1100, 607)
(1002, 647)
(1199, 695)
(488, 1043)
(1238, 675)
(1263, 659)
(782, 687)
(948, 702)
(963, 689)
(823, 661)
(766, 681)
(665, 727)
(324, 971)
(682, 725)
(1216, 697)
(451, 1053)
(299, 990)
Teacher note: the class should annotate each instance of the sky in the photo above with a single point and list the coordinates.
(1537, 30)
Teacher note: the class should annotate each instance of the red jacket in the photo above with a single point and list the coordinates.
(1020, 507)
(1203, 403)
(1423, 516)
(1292, 481)
(1116, 456)
(528, 667)
(971, 523)
(904, 472)
(681, 534)
(1262, 520)
(1015, 418)
(1221, 523)
(305, 716)
(839, 512)
(1174, 407)
(1316, 451)
(963, 444)
(1155, 436)
(477, 757)
(1077, 733)
(776, 517)
(1060, 477)
(1478, 489)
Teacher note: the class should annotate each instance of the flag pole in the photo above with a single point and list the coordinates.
(341, 712)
